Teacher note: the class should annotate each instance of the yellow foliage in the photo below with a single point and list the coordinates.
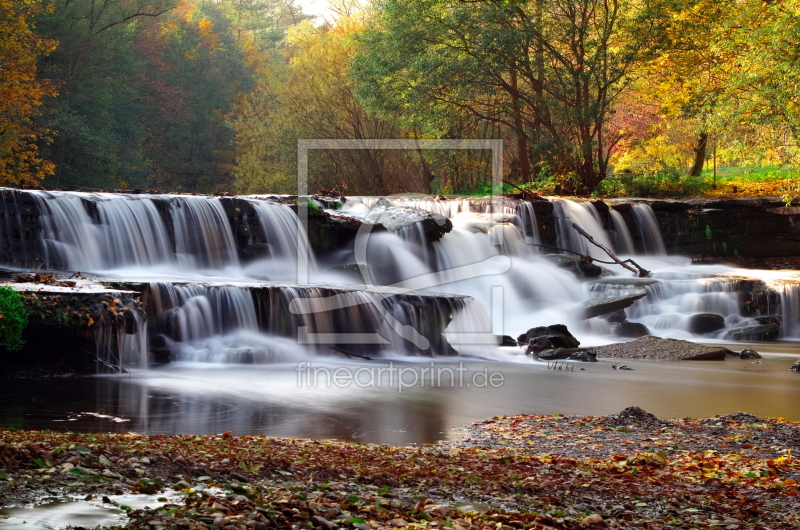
(21, 93)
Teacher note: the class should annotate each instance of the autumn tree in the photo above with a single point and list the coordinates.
(21, 93)
(310, 94)
(548, 71)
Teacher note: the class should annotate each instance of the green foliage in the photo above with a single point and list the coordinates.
(13, 319)
(661, 183)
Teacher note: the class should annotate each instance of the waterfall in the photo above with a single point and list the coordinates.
(623, 242)
(649, 230)
(203, 237)
(285, 238)
(790, 309)
(528, 226)
(584, 215)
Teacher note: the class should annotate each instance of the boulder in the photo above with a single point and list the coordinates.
(706, 323)
(755, 333)
(547, 337)
(602, 306)
(663, 349)
(632, 330)
(747, 353)
(795, 367)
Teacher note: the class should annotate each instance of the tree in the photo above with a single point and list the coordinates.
(548, 71)
(21, 93)
(97, 120)
(310, 94)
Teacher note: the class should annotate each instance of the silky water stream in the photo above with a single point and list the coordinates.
(254, 351)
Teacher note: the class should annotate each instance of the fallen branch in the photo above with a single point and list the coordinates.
(643, 273)
(348, 354)
(590, 258)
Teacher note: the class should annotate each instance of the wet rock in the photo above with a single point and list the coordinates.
(547, 337)
(706, 323)
(615, 317)
(795, 367)
(747, 353)
(506, 340)
(582, 268)
(663, 349)
(602, 306)
(160, 351)
(586, 355)
(755, 333)
(632, 330)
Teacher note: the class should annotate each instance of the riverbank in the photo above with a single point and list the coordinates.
(629, 470)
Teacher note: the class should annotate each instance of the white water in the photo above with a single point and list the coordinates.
(623, 241)
(649, 231)
(207, 311)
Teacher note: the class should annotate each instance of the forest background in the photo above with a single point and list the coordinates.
(603, 97)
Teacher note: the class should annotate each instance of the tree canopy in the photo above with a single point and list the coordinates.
(202, 96)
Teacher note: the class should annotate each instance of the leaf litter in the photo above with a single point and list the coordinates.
(629, 470)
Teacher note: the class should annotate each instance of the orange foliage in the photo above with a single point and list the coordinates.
(21, 94)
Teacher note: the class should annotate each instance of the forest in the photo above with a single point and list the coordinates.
(605, 97)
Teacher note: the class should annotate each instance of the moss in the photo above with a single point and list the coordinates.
(13, 319)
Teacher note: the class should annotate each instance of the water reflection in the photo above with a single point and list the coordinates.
(185, 398)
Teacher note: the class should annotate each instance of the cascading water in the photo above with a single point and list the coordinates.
(623, 241)
(584, 215)
(790, 305)
(649, 231)
(212, 305)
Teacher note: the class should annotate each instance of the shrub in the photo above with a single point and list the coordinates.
(661, 183)
(13, 319)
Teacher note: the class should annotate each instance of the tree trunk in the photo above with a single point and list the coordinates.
(522, 141)
(699, 155)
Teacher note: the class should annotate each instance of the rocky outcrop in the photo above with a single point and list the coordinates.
(663, 349)
(726, 230)
(755, 333)
(74, 327)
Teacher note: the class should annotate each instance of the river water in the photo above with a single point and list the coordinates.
(276, 400)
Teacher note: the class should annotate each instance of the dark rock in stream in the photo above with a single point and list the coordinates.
(706, 323)
(570, 354)
(795, 367)
(747, 353)
(631, 330)
(755, 333)
(547, 338)
(506, 340)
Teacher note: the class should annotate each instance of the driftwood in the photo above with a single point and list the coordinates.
(590, 258)
(349, 354)
(643, 273)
